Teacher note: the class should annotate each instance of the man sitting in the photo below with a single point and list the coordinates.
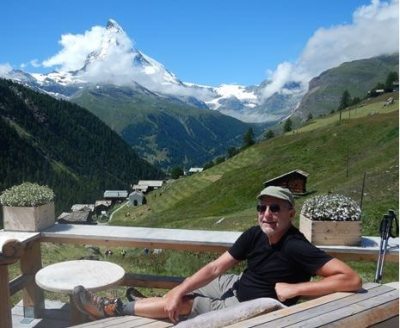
(280, 264)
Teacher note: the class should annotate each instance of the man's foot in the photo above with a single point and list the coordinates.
(133, 294)
(95, 306)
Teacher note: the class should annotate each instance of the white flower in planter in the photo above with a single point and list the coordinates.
(27, 194)
(333, 207)
(28, 207)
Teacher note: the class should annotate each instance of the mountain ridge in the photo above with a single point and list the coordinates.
(125, 110)
(167, 132)
(357, 77)
(100, 68)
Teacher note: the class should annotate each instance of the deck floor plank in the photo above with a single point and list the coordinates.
(362, 314)
(377, 306)
(296, 319)
(253, 322)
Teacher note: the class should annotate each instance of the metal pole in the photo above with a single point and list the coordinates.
(382, 248)
(386, 232)
(362, 190)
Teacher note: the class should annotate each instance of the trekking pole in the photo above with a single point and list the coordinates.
(386, 232)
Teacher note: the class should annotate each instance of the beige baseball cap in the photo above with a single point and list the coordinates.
(277, 192)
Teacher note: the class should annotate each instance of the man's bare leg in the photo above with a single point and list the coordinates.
(153, 307)
(100, 307)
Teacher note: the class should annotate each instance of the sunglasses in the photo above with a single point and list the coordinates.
(274, 208)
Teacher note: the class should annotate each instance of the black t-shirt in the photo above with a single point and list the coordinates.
(293, 259)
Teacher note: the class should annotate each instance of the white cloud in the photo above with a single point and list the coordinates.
(75, 49)
(285, 72)
(108, 56)
(5, 69)
(374, 31)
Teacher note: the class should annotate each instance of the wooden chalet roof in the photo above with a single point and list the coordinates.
(82, 207)
(301, 172)
(195, 169)
(74, 217)
(151, 183)
(115, 194)
(140, 187)
(106, 203)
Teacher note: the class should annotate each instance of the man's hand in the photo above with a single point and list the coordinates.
(173, 302)
(176, 301)
(285, 291)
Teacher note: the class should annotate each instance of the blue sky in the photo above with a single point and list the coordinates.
(206, 41)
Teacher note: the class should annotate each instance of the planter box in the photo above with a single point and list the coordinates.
(28, 218)
(346, 233)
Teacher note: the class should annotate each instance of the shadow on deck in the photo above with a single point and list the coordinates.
(56, 315)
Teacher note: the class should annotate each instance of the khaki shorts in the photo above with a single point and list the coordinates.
(218, 294)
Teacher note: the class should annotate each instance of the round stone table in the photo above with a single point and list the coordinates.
(62, 277)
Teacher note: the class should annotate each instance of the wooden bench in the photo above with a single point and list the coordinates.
(374, 306)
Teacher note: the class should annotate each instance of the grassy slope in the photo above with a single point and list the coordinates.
(223, 197)
(228, 190)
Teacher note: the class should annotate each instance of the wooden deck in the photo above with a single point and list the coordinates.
(374, 306)
(25, 248)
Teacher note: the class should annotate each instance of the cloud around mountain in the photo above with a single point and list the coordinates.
(373, 32)
(108, 55)
(100, 54)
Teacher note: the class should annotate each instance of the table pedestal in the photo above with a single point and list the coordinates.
(77, 316)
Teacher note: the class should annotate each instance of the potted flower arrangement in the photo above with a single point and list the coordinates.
(28, 207)
(331, 219)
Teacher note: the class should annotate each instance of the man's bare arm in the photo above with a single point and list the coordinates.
(337, 277)
(202, 277)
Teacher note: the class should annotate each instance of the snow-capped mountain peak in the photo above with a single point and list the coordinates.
(112, 25)
(239, 92)
(117, 61)
(108, 56)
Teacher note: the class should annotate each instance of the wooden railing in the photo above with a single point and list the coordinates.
(25, 248)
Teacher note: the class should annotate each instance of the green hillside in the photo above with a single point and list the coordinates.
(357, 77)
(163, 130)
(336, 156)
(60, 144)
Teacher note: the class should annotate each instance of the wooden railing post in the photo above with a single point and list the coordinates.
(33, 296)
(5, 305)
